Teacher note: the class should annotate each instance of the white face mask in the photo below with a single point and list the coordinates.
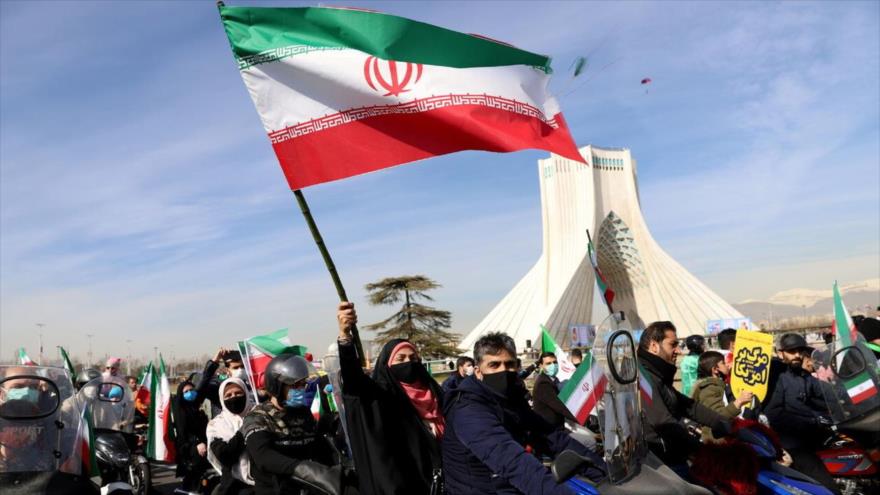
(239, 373)
(468, 371)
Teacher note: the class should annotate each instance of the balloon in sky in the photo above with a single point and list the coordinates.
(579, 65)
(646, 80)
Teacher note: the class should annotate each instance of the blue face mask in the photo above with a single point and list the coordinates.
(190, 395)
(296, 398)
(552, 369)
(23, 393)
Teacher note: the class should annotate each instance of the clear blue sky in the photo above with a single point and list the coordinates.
(140, 199)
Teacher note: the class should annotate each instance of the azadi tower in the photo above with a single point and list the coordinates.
(560, 289)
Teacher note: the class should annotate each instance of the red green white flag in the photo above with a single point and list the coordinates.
(68, 365)
(86, 441)
(548, 344)
(842, 326)
(258, 351)
(24, 359)
(342, 92)
(160, 436)
(582, 392)
(601, 282)
(646, 390)
(145, 383)
(860, 387)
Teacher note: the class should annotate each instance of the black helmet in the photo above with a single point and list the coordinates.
(285, 369)
(695, 344)
(85, 376)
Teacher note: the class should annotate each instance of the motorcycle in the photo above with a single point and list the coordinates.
(122, 466)
(850, 386)
(631, 467)
(42, 433)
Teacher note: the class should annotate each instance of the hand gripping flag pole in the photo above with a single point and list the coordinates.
(331, 267)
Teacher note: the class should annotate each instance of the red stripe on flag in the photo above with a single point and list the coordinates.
(592, 399)
(864, 395)
(383, 141)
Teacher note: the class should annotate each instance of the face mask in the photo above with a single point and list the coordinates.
(406, 372)
(296, 398)
(504, 383)
(239, 373)
(190, 395)
(469, 371)
(236, 404)
(22, 393)
(551, 369)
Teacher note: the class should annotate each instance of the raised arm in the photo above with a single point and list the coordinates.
(354, 380)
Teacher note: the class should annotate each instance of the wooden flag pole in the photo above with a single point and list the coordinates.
(340, 290)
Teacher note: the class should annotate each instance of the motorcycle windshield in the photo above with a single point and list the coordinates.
(619, 409)
(40, 421)
(109, 402)
(850, 384)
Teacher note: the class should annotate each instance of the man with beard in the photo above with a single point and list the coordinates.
(796, 410)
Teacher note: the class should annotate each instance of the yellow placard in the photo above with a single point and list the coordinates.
(751, 363)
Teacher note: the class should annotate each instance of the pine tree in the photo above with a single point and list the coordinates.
(426, 327)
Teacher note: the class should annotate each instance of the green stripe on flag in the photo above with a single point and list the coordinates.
(842, 321)
(265, 34)
(547, 342)
(857, 380)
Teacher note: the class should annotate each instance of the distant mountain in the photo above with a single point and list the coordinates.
(862, 297)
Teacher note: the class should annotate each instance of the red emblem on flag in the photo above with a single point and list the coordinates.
(391, 80)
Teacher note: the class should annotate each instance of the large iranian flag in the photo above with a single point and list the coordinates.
(342, 92)
(859, 387)
(582, 392)
(160, 440)
(258, 351)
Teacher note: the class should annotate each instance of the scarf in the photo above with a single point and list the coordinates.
(224, 426)
(422, 399)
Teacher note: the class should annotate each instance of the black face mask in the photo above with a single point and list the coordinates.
(406, 372)
(504, 383)
(236, 404)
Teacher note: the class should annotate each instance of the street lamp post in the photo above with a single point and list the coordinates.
(41, 325)
(91, 359)
(128, 360)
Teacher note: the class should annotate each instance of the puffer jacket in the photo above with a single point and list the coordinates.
(484, 447)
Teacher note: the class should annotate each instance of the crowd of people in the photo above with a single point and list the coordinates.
(481, 431)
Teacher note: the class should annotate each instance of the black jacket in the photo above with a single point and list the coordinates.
(794, 407)
(393, 451)
(277, 440)
(665, 434)
(190, 422)
(484, 448)
(545, 401)
(452, 382)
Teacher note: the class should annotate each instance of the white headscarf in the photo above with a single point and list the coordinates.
(224, 426)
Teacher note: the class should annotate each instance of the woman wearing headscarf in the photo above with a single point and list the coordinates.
(226, 448)
(190, 423)
(393, 417)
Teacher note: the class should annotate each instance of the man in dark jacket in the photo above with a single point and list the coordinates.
(489, 425)
(666, 436)
(464, 367)
(797, 411)
(545, 394)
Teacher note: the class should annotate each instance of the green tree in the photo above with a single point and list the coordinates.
(426, 327)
